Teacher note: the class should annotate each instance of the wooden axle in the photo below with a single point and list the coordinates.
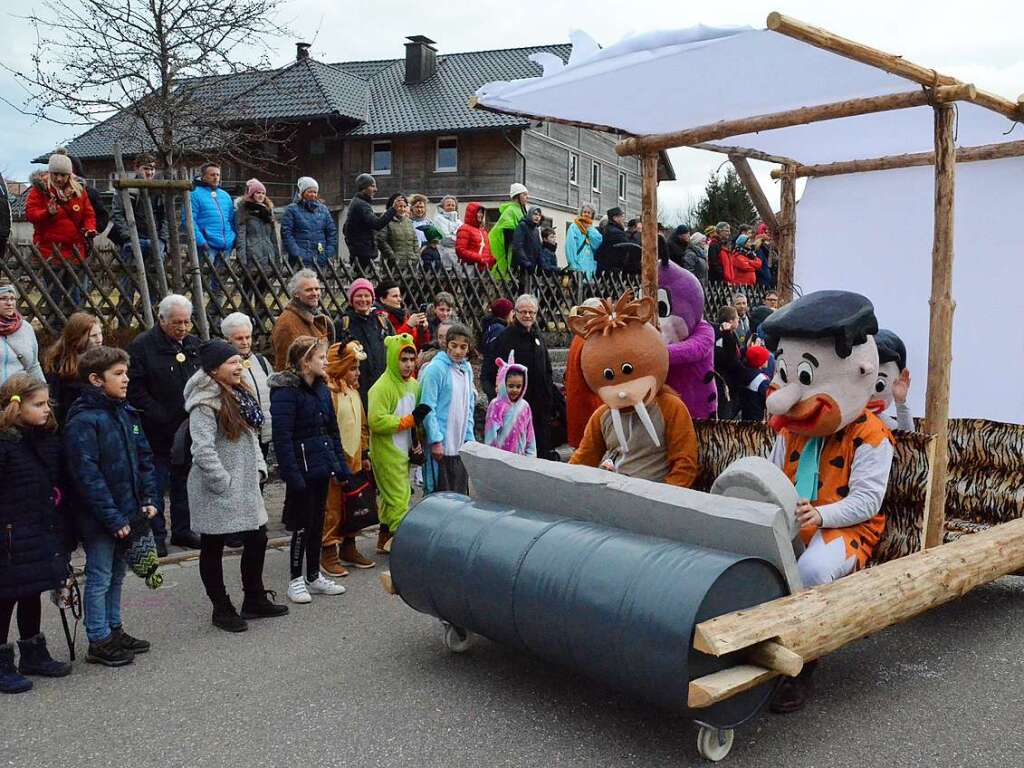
(963, 155)
(897, 65)
(802, 116)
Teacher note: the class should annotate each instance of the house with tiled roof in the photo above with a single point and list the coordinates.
(407, 121)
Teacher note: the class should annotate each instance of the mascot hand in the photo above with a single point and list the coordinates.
(901, 387)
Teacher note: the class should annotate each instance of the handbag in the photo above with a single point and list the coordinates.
(360, 504)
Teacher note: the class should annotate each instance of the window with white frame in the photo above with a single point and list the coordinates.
(595, 176)
(447, 154)
(574, 168)
(622, 186)
(380, 158)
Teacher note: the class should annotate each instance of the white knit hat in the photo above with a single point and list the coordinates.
(306, 182)
(517, 189)
(60, 163)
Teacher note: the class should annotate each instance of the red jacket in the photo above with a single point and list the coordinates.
(744, 268)
(472, 245)
(399, 322)
(56, 233)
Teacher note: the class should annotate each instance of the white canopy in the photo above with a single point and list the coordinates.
(674, 80)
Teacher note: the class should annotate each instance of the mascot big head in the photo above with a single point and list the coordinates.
(892, 360)
(826, 362)
(680, 302)
(624, 360)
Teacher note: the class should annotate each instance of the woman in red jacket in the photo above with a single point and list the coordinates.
(60, 212)
(471, 243)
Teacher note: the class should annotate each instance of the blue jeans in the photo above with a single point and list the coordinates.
(177, 484)
(104, 576)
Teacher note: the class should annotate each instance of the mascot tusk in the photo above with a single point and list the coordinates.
(645, 419)
(617, 426)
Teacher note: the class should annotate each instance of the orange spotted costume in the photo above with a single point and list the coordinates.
(852, 446)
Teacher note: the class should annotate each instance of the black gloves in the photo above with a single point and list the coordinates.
(419, 413)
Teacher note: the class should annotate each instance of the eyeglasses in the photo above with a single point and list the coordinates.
(180, 323)
(526, 312)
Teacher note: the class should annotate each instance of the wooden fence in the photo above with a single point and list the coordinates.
(109, 288)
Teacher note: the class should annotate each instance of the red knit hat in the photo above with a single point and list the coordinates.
(757, 357)
(501, 307)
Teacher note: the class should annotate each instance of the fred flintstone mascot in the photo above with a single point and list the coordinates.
(834, 450)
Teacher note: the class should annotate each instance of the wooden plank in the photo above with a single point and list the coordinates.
(649, 234)
(155, 246)
(940, 332)
(801, 116)
(198, 296)
(719, 686)
(963, 155)
(757, 196)
(157, 184)
(821, 619)
(787, 239)
(896, 65)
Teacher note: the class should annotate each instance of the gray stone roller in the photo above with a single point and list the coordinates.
(616, 606)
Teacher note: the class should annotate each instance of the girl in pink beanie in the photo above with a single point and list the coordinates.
(252, 187)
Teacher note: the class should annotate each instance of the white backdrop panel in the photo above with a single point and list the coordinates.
(872, 233)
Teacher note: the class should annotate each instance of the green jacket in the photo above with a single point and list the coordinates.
(398, 243)
(501, 238)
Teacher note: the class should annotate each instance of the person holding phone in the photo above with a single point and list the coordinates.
(391, 307)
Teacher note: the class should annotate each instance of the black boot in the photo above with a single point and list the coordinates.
(226, 617)
(129, 643)
(188, 540)
(793, 692)
(257, 605)
(109, 653)
(161, 546)
(10, 680)
(36, 660)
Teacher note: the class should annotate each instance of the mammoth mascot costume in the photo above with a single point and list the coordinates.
(690, 340)
(642, 429)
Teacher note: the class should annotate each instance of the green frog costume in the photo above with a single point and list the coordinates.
(501, 237)
(391, 403)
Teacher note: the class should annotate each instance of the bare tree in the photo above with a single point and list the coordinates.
(164, 74)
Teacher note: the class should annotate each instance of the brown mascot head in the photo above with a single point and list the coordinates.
(624, 359)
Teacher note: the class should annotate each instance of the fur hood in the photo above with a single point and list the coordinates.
(283, 379)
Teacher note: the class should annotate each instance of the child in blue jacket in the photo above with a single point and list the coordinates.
(446, 385)
(113, 474)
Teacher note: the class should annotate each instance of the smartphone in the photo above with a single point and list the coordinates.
(423, 309)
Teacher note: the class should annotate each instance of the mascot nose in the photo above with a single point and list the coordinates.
(622, 395)
(783, 399)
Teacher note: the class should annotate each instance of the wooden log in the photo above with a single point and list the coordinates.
(802, 116)
(775, 656)
(386, 583)
(757, 196)
(198, 298)
(174, 242)
(157, 184)
(787, 239)
(753, 154)
(649, 232)
(719, 686)
(896, 65)
(133, 236)
(819, 620)
(963, 155)
(155, 244)
(940, 331)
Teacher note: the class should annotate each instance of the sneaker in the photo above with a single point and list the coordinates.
(257, 605)
(225, 617)
(10, 680)
(349, 555)
(383, 538)
(109, 653)
(324, 586)
(329, 562)
(133, 644)
(36, 659)
(297, 591)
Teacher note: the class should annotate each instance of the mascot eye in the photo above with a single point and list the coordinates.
(664, 304)
(880, 386)
(782, 372)
(627, 368)
(609, 374)
(805, 372)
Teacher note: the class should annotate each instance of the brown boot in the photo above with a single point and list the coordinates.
(329, 562)
(383, 537)
(349, 555)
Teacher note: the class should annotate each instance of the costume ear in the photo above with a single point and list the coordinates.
(647, 309)
(578, 325)
(500, 363)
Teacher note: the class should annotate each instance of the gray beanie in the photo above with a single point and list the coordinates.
(306, 182)
(60, 163)
(364, 180)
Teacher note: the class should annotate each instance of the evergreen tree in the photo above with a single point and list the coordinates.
(725, 199)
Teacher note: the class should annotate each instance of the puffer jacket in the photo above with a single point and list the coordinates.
(256, 240)
(213, 215)
(361, 227)
(398, 243)
(113, 465)
(526, 244)
(55, 234)
(309, 233)
(472, 246)
(306, 439)
(32, 555)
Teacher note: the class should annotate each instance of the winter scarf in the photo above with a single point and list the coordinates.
(249, 407)
(9, 325)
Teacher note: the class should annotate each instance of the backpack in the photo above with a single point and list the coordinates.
(181, 447)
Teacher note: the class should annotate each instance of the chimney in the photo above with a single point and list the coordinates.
(301, 51)
(420, 59)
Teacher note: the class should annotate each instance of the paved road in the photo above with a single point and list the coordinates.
(362, 680)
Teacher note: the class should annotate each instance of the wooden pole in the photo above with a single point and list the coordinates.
(963, 155)
(787, 241)
(198, 299)
(174, 242)
(155, 244)
(757, 196)
(158, 184)
(649, 233)
(753, 154)
(940, 332)
(802, 116)
(819, 620)
(897, 65)
(133, 235)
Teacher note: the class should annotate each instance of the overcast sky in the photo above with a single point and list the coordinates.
(977, 42)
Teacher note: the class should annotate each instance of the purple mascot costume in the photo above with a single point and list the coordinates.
(690, 340)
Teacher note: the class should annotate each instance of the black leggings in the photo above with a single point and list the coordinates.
(211, 563)
(30, 615)
(305, 514)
